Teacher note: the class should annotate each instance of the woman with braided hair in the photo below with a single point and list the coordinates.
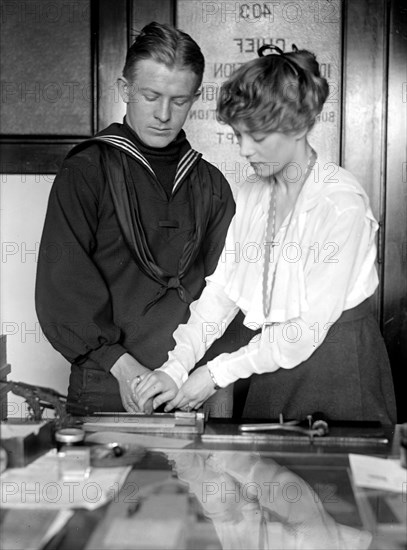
(308, 288)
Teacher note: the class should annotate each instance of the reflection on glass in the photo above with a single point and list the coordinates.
(254, 503)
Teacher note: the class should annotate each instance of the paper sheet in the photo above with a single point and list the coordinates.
(8, 430)
(378, 473)
(38, 486)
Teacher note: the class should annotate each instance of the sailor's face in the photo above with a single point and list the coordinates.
(158, 101)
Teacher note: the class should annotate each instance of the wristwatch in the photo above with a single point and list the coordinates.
(215, 384)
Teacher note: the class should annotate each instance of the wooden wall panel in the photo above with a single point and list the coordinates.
(364, 96)
(395, 240)
(46, 76)
(54, 104)
(364, 105)
(112, 48)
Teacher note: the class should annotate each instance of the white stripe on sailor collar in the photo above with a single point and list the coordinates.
(183, 167)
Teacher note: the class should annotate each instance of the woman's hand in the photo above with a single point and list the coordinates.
(196, 390)
(127, 371)
(157, 385)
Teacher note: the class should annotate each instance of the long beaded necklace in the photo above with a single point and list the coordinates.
(270, 243)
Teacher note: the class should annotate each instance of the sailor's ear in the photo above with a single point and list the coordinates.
(124, 89)
(197, 95)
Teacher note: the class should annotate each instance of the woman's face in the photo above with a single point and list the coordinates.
(268, 153)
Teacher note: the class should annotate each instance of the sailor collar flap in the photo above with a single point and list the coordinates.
(184, 165)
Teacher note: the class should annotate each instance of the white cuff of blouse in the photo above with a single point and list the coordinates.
(221, 373)
(231, 367)
(176, 371)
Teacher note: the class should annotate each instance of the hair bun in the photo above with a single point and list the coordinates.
(265, 47)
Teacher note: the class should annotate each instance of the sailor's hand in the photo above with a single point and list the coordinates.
(157, 386)
(129, 373)
(194, 392)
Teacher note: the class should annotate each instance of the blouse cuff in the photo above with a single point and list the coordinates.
(248, 360)
(228, 371)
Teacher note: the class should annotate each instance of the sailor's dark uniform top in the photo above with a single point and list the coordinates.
(123, 254)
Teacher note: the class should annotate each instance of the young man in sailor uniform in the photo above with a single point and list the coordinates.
(139, 219)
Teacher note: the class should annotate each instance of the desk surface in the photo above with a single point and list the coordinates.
(215, 494)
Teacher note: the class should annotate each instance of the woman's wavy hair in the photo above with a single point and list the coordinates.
(281, 92)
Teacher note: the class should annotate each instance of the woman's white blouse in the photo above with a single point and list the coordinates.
(323, 264)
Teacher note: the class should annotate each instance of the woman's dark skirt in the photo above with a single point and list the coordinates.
(348, 377)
